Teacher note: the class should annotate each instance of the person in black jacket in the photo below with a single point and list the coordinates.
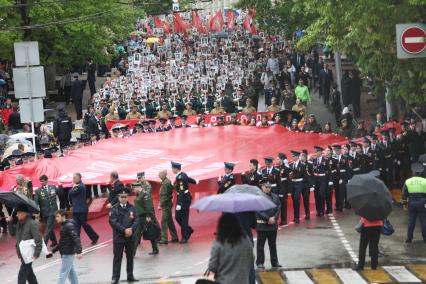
(62, 127)
(91, 76)
(355, 92)
(14, 121)
(267, 228)
(96, 125)
(116, 186)
(77, 198)
(123, 220)
(77, 96)
(68, 246)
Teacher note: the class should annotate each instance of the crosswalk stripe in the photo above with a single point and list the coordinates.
(401, 274)
(270, 277)
(419, 270)
(349, 276)
(297, 277)
(377, 276)
(323, 276)
(191, 280)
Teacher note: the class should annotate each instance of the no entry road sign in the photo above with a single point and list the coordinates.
(411, 40)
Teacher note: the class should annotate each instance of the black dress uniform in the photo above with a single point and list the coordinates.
(386, 174)
(376, 149)
(285, 188)
(403, 153)
(298, 177)
(309, 183)
(357, 160)
(267, 231)
(122, 216)
(342, 165)
(252, 177)
(227, 180)
(332, 176)
(272, 175)
(368, 156)
(183, 202)
(320, 176)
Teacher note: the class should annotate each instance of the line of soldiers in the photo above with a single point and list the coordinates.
(327, 170)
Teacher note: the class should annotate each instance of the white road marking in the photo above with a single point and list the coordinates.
(342, 238)
(401, 274)
(349, 276)
(297, 277)
(191, 280)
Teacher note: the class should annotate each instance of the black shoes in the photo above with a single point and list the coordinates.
(131, 278)
(95, 241)
(174, 241)
(277, 265)
(297, 221)
(260, 266)
(357, 268)
(115, 281)
(407, 241)
(154, 252)
(183, 241)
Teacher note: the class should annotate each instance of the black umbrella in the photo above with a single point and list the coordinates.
(284, 113)
(14, 199)
(245, 188)
(369, 197)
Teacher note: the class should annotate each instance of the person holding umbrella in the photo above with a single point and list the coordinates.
(267, 228)
(26, 229)
(370, 199)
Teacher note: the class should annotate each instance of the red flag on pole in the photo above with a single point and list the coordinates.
(231, 19)
(147, 27)
(197, 22)
(216, 22)
(246, 23)
(158, 23)
(179, 25)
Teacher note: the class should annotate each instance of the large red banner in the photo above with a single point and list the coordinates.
(202, 152)
(192, 120)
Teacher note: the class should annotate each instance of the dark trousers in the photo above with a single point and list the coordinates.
(182, 217)
(92, 88)
(341, 196)
(67, 94)
(78, 105)
(81, 221)
(49, 233)
(370, 237)
(268, 96)
(26, 273)
(262, 236)
(137, 235)
(329, 198)
(356, 105)
(416, 208)
(118, 249)
(297, 193)
(306, 196)
(63, 199)
(321, 184)
(283, 202)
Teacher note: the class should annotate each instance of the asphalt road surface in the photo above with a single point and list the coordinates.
(327, 244)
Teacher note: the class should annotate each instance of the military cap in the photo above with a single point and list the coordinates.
(19, 162)
(229, 166)
(373, 137)
(54, 149)
(352, 144)
(268, 159)
(29, 154)
(312, 115)
(138, 125)
(282, 156)
(172, 118)
(176, 165)
(318, 149)
(337, 147)
(384, 132)
(146, 122)
(162, 120)
(254, 162)
(11, 157)
(17, 153)
(366, 140)
(124, 128)
(295, 154)
(140, 174)
(123, 191)
(184, 117)
(153, 122)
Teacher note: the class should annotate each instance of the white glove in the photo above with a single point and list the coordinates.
(178, 207)
(312, 188)
(197, 181)
(330, 183)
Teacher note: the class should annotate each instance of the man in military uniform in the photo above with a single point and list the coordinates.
(298, 177)
(123, 220)
(166, 204)
(414, 193)
(253, 177)
(404, 150)
(234, 120)
(162, 127)
(332, 176)
(342, 164)
(145, 125)
(377, 152)
(45, 198)
(23, 186)
(145, 210)
(271, 174)
(387, 170)
(309, 184)
(357, 158)
(267, 228)
(220, 121)
(368, 155)
(227, 180)
(348, 172)
(312, 126)
(284, 190)
(183, 203)
(321, 173)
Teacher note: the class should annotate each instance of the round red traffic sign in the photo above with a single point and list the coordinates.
(413, 40)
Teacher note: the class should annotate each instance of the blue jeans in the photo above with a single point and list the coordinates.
(67, 270)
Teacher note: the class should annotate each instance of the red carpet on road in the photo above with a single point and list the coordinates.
(202, 152)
